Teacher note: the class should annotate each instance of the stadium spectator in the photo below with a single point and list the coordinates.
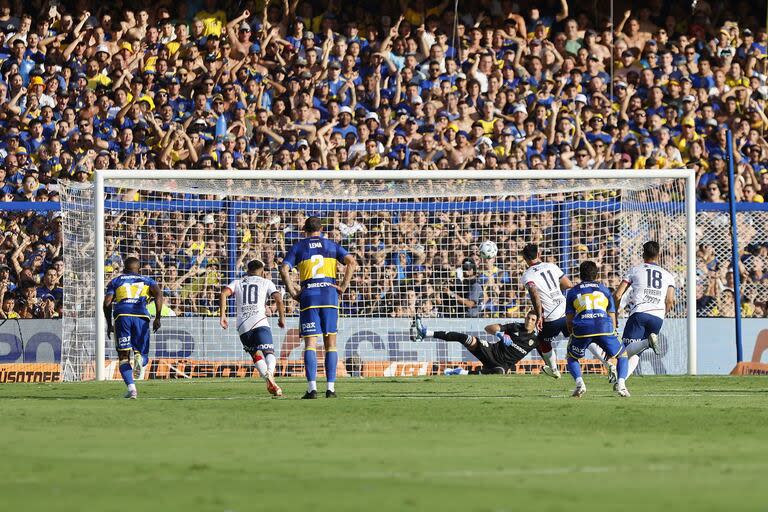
(311, 85)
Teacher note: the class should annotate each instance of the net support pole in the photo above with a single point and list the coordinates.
(232, 255)
(564, 216)
(734, 247)
(99, 274)
(690, 214)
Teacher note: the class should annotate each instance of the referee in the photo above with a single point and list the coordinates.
(515, 341)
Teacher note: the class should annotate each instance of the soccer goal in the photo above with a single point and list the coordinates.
(411, 232)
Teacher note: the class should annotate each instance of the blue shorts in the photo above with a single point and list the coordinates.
(132, 332)
(578, 346)
(257, 339)
(551, 330)
(317, 321)
(639, 326)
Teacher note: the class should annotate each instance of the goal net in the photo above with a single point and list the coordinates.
(410, 233)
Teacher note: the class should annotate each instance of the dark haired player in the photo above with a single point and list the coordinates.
(591, 317)
(252, 292)
(651, 298)
(545, 283)
(515, 340)
(129, 293)
(317, 259)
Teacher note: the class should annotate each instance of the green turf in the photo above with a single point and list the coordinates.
(449, 443)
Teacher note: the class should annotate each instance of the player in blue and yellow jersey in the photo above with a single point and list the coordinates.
(590, 314)
(126, 299)
(317, 258)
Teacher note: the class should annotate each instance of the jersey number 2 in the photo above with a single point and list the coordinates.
(250, 294)
(318, 262)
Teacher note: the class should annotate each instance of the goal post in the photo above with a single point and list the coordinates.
(566, 210)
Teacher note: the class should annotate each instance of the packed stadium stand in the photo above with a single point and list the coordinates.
(299, 85)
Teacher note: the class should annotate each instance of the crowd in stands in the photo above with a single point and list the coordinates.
(411, 262)
(302, 85)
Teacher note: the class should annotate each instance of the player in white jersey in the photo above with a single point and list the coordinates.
(545, 283)
(252, 292)
(651, 297)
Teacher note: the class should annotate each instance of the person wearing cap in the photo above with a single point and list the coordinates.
(462, 297)
(707, 179)
(683, 141)
(648, 156)
(334, 80)
(345, 119)
(238, 31)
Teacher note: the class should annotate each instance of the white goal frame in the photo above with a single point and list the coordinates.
(405, 175)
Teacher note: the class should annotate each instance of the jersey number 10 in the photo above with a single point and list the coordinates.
(250, 294)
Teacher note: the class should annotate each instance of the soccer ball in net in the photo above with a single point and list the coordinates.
(488, 250)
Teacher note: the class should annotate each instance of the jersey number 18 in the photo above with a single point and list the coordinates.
(654, 279)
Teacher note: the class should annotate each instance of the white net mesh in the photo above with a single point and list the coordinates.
(78, 349)
(409, 237)
(714, 277)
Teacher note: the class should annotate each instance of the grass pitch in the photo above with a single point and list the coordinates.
(446, 443)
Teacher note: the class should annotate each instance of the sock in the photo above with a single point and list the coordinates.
(636, 347)
(459, 337)
(310, 368)
(580, 381)
(599, 354)
(144, 360)
(131, 387)
(574, 368)
(127, 372)
(632, 364)
(622, 383)
(271, 363)
(550, 358)
(332, 386)
(429, 334)
(261, 366)
(622, 365)
(331, 361)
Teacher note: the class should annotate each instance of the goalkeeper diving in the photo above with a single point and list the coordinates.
(513, 342)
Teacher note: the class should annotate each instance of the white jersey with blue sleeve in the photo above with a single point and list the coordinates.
(251, 295)
(545, 277)
(648, 289)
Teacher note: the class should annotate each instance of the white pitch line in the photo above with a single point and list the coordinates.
(428, 476)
